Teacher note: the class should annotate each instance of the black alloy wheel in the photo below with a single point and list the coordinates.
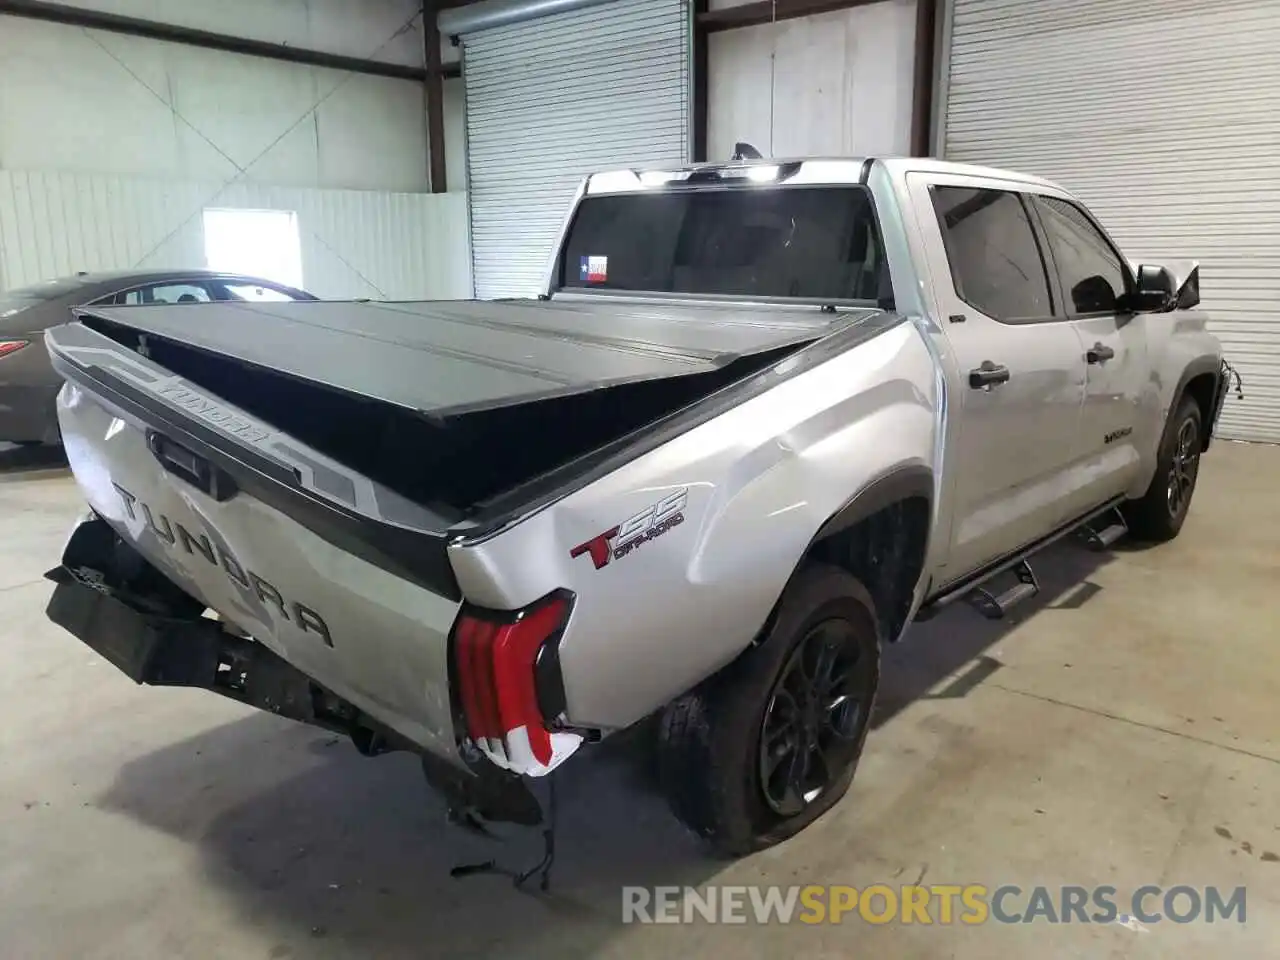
(810, 732)
(1183, 467)
(1159, 513)
(759, 751)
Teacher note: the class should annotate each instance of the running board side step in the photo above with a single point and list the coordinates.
(996, 606)
(1099, 537)
(971, 588)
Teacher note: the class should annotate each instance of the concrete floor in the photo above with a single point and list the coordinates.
(1125, 731)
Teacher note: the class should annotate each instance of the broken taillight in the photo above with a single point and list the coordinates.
(11, 346)
(496, 659)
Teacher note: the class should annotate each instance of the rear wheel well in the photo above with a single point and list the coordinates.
(1202, 389)
(885, 552)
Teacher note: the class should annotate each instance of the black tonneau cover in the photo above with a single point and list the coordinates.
(445, 358)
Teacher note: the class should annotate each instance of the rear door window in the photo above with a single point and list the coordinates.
(995, 259)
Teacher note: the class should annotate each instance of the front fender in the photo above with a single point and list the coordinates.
(1189, 351)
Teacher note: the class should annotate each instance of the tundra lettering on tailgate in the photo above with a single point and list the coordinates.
(206, 409)
(175, 535)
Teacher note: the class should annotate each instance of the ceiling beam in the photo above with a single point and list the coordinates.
(766, 11)
(208, 40)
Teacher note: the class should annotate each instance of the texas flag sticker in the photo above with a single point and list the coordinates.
(594, 269)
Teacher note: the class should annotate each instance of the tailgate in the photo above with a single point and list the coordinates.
(338, 576)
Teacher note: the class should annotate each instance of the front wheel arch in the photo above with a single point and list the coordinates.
(1201, 379)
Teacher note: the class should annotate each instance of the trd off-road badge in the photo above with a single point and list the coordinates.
(648, 524)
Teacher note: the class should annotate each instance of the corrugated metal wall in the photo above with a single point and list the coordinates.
(354, 243)
(1164, 115)
(553, 99)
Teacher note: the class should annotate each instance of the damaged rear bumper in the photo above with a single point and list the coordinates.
(154, 646)
(171, 651)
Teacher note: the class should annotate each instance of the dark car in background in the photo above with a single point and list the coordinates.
(29, 385)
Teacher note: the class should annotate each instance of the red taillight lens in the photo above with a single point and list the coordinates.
(496, 657)
(11, 346)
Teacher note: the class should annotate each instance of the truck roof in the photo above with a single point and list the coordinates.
(816, 170)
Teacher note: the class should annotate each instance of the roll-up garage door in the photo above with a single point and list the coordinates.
(1164, 115)
(552, 99)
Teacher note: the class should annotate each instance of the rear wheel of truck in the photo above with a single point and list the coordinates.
(762, 749)
(1161, 511)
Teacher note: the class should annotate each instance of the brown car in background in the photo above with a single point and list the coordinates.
(29, 385)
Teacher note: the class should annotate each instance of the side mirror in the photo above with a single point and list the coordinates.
(1189, 290)
(1155, 289)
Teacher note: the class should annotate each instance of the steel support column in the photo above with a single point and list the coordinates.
(435, 99)
(922, 74)
(700, 63)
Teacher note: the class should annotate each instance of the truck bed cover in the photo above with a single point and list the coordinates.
(446, 358)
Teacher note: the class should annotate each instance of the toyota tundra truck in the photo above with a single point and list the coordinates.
(762, 416)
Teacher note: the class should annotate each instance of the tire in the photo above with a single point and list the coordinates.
(1159, 514)
(711, 759)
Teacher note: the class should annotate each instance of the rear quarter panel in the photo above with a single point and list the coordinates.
(758, 483)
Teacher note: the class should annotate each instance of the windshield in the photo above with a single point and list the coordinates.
(791, 242)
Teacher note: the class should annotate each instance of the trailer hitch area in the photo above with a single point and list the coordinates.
(176, 649)
(485, 794)
(492, 795)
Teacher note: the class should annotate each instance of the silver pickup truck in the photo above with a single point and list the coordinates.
(765, 414)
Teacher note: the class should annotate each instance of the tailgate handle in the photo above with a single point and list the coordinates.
(191, 467)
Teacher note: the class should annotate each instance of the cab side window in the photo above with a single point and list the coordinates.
(995, 259)
(1091, 273)
(251, 292)
(166, 293)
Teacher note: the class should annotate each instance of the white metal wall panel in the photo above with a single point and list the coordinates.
(552, 99)
(136, 107)
(1164, 115)
(355, 243)
(840, 85)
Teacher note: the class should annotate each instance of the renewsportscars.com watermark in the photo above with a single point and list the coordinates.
(964, 904)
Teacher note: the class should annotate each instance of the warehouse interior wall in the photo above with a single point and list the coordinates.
(88, 110)
(841, 83)
(355, 243)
